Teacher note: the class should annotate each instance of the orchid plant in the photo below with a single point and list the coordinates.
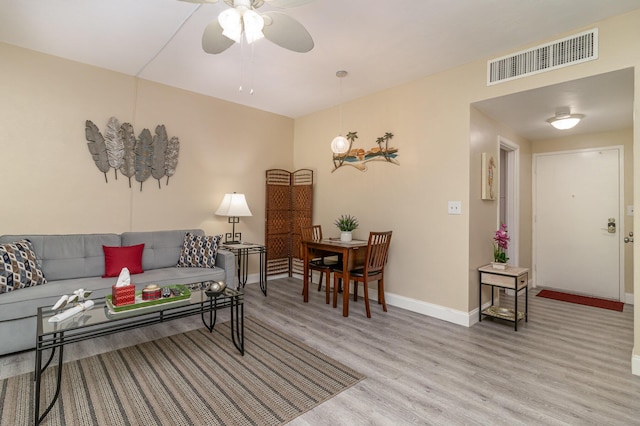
(500, 244)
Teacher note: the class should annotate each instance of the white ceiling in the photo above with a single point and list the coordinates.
(381, 43)
(605, 100)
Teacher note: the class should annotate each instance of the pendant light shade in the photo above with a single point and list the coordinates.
(340, 144)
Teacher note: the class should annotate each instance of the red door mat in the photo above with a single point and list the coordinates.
(582, 300)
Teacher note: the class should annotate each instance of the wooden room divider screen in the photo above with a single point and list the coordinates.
(289, 198)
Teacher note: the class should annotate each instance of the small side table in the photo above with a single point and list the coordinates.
(513, 278)
(242, 252)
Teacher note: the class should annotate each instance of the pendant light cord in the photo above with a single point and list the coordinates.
(341, 74)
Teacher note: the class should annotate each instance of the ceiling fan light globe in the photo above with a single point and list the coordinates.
(340, 145)
(231, 22)
(253, 25)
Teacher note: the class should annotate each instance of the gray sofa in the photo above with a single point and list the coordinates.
(74, 261)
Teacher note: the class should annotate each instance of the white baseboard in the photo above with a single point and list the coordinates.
(635, 363)
(628, 298)
(441, 312)
(466, 319)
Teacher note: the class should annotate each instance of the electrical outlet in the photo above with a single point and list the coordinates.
(455, 207)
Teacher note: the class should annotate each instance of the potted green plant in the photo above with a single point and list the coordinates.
(346, 224)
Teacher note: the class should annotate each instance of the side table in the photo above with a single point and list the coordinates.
(513, 278)
(242, 252)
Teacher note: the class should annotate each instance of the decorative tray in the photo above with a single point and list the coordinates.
(143, 306)
(503, 313)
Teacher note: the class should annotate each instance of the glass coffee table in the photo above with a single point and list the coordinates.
(100, 320)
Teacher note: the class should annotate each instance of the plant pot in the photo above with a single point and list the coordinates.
(499, 265)
(346, 236)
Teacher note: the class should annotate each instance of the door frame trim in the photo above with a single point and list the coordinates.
(513, 195)
(621, 210)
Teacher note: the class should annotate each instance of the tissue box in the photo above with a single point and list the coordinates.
(124, 295)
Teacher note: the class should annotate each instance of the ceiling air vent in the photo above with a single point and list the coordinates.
(571, 50)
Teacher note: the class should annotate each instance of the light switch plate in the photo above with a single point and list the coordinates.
(455, 207)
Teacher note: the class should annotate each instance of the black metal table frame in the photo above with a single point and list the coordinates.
(516, 290)
(242, 260)
(61, 338)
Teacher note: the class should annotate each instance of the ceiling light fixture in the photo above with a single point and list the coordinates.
(340, 144)
(241, 19)
(564, 120)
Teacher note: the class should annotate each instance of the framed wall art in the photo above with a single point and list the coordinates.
(489, 175)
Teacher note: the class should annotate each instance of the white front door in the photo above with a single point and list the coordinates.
(576, 193)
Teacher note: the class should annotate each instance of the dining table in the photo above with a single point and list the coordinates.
(351, 252)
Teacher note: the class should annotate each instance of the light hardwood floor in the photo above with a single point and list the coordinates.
(569, 364)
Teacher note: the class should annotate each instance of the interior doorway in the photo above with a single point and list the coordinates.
(508, 205)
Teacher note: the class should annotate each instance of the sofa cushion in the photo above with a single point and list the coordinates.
(161, 248)
(199, 251)
(71, 255)
(116, 258)
(19, 266)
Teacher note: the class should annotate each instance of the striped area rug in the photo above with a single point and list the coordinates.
(194, 378)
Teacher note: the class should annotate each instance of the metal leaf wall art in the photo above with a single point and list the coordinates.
(114, 144)
(160, 142)
(128, 167)
(140, 157)
(97, 148)
(171, 157)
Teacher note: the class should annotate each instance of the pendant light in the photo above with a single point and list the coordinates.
(340, 144)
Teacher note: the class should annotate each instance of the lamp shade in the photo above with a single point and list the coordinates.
(233, 205)
(339, 145)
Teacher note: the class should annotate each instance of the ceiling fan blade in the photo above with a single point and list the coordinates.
(287, 3)
(286, 32)
(212, 39)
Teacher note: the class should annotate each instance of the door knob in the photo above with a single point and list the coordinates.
(629, 239)
(611, 226)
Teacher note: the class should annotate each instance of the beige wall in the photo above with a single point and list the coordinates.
(430, 261)
(622, 138)
(484, 137)
(54, 186)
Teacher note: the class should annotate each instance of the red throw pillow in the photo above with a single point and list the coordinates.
(116, 258)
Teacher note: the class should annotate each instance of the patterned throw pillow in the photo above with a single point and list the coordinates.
(199, 250)
(19, 266)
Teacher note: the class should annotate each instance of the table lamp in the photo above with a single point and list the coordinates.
(233, 205)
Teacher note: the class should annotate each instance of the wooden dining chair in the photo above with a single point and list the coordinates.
(320, 263)
(372, 270)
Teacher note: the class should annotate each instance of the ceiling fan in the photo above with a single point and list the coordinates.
(243, 19)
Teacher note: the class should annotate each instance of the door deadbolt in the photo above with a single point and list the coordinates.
(611, 226)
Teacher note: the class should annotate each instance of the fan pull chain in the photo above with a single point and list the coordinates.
(241, 64)
(250, 61)
(252, 67)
